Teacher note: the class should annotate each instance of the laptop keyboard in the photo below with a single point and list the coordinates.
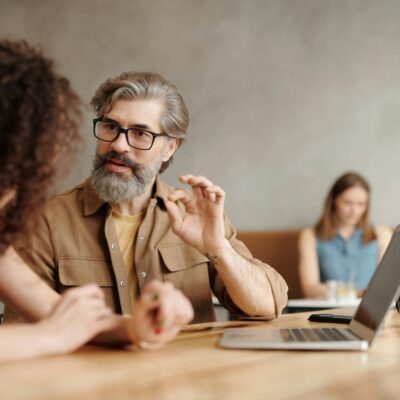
(313, 335)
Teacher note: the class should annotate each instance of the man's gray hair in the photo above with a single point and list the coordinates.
(145, 85)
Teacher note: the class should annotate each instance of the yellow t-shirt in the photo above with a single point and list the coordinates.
(127, 227)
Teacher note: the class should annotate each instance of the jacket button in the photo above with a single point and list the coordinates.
(141, 238)
(122, 284)
(143, 275)
(113, 246)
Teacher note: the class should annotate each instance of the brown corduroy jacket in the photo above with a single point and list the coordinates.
(75, 243)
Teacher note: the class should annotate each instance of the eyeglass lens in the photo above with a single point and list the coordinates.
(137, 138)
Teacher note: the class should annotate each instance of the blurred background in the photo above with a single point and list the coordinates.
(284, 96)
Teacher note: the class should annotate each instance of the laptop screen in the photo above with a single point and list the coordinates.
(382, 287)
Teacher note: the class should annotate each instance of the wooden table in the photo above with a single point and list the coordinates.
(194, 367)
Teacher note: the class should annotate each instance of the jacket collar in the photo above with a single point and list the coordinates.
(91, 202)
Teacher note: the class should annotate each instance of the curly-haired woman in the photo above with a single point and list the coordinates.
(39, 119)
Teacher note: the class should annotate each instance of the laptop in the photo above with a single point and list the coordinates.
(360, 334)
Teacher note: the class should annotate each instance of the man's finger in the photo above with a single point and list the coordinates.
(174, 214)
(195, 180)
(216, 194)
(181, 195)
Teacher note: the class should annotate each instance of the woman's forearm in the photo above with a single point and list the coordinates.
(23, 341)
(317, 290)
(23, 290)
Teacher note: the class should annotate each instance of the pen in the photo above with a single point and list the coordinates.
(158, 322)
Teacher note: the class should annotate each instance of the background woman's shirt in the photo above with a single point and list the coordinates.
(341, 259)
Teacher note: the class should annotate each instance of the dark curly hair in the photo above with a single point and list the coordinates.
(39, 119)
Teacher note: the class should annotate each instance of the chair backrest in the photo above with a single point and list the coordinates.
(279, 249)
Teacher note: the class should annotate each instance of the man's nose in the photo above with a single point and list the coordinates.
(120, 144)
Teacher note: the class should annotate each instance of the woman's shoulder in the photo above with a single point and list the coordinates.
(307, 235)
(383, 230)
(383, 233)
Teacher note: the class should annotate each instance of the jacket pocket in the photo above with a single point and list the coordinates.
(187, 269)
(180, 256)
(78, 272)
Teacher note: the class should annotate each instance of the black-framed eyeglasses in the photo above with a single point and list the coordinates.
(109, 131)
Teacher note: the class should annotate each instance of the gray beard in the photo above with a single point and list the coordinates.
(114, 188)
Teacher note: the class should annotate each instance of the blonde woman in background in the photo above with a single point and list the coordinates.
(342, 246)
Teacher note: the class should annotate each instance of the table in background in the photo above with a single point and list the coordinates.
(302, 305)
(194, 367)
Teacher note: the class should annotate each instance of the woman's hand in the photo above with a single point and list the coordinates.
(79, 315)
(158, 315)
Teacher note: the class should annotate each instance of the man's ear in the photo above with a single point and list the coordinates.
(170, 147)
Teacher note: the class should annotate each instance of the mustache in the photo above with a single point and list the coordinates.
(101, 160)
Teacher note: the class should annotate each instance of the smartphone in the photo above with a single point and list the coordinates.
(336, 319)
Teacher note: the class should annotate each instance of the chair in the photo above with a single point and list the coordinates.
(279, 249)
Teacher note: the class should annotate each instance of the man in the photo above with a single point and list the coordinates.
(123, 226)
(49, 124)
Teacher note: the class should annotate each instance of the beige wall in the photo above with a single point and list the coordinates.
(283, 95)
